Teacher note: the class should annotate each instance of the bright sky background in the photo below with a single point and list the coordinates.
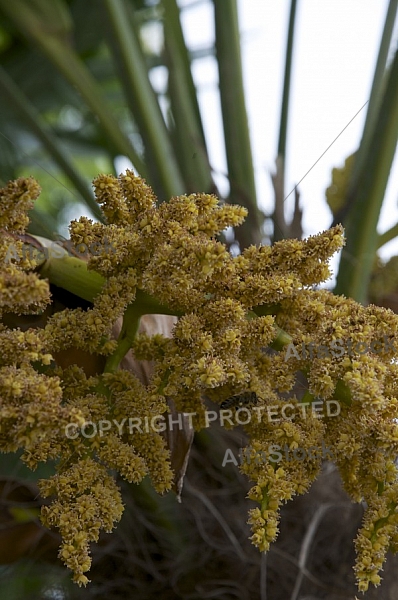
(336, 44)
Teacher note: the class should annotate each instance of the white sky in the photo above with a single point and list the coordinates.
(336, 44)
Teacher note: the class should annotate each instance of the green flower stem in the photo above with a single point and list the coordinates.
(281, 339)
(72, 274)
(342, 392)
(145, 304)
(308, 398)
(126, 338)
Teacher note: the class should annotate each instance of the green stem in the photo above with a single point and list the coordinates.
(280, 228)
(236, 131)
(376, 94)
(342, 393)
(358, 255)
(141, 97)
(189, 141)
(267, 309)
(126, 338)
(177, 45)
(281, 340)
(73, 275)
(286, 82)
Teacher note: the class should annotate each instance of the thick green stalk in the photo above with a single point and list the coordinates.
(66, 60)
(174, 38)
(236, 131)
(189, 146)
(28, 113)
(376, 94)
(358, 255)
(141, 98)
(72, 274)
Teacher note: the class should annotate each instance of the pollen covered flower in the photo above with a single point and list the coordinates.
(247, 325)
(20, 292)
(88, 500)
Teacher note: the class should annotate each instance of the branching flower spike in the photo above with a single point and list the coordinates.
(243, 322)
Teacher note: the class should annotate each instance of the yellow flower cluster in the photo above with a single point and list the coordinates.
(243, 323)
(347, 354)
(20, 292)
(87, 501)
(40, 401)
(24, 391)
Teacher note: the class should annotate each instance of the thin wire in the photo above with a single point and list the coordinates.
(330, 145)
(38, 164)
(289, 194)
